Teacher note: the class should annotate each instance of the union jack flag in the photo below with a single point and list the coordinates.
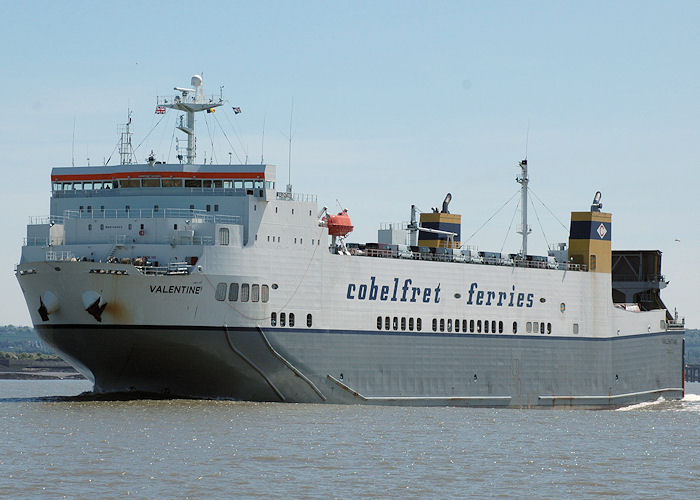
(160, 110)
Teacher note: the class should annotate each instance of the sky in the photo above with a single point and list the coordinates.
(392, 104)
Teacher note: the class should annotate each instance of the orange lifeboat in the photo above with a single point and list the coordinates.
(339, 225)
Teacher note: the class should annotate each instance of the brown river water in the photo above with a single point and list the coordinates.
(56, 445)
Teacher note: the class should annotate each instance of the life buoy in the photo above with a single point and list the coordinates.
(142, 232)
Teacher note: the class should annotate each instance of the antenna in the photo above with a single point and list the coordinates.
(72, 150)
(527, 137)
(262, 145)
(289, 159)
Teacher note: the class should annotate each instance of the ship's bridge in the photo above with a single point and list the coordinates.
(130, 179)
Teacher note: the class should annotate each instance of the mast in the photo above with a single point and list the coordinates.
(126, 151)
(523, 181)
(191, 101)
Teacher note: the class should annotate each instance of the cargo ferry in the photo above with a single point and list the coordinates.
(207, 281)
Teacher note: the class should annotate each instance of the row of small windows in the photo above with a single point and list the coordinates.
(390, 324)
(284, 318)
(471, 326)
(246, 292)
(463, 325)
(162, 182)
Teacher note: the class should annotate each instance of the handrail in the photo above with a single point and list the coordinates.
(149, 213)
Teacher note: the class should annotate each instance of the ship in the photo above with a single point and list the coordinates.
(205, 280)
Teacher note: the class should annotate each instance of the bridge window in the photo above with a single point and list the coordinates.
(220, 291)
(150, 183)
(193, 183)
(238, 184)
(206, 184)
(171, 183)
(245, 294)
(233, 292)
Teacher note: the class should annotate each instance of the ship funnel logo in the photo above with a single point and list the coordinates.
(602, 231)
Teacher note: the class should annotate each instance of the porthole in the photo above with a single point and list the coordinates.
(458, 295)
(543, 300)
(274, 286)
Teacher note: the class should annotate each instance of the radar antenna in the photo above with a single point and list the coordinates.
(191, 100)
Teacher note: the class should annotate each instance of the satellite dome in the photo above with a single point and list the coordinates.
(196, 81)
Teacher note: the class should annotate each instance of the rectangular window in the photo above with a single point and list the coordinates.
(410, 324)
(442, 324)
(464, 325)
(419, 324)
(457, 325)
(206, 184)
(223, 236)
(291, 319)
(528, 327)
(255, 297)
(193, 183)
(283, 319)
(309, 320)
(245, 294)
(486, 327)
(130, 183)
(171, 183)
(575, 329)
(403, 324)
(478, 326)
(434, 324)
(379, 322)
(233, 292)
(593, 262)
(387, 323)
(493, 326)
(221, 291)
(228, 184)
(273, 319)
(238, 184)
(449, 325)
(396, 323)
(150, 183)
(549, 328)
(265, 293)
(500, 327)
(217, 183)
(515, 327)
